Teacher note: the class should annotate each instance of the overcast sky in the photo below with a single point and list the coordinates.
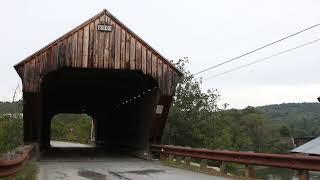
(208, 32)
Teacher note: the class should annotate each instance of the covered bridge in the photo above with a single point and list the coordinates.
(103, 69)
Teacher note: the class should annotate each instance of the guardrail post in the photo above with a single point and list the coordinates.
(203, 164)
(163, 157)
(170, 159)
(249, 171)
(223, 168)
(178, 159)
(187, 161)
(303, 174)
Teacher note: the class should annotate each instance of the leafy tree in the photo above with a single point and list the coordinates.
(196, 120)
(284, 131)
(189, 109)
(302, 119)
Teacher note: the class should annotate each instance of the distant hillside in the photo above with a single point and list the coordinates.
(8, 107)
(303, 119)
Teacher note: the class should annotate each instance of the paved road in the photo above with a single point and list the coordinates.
(68, 166)
(67, 144)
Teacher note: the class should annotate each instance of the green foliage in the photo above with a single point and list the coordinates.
(196, 120)
(62, 124)
(8, 107)
(11, 129)
(284, 131)
(302, 119)
(188, 112)
(11, 132)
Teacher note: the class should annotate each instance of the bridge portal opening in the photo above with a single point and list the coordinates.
(121, 103)
(72, 130)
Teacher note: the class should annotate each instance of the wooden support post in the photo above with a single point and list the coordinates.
(203, 164)
(32, 117)
(303, 174)
(249, 171)
(178, 159)
(45, 135)
(163, 157)
(223, 168)
(36, 152)
(170, 158)
(187, 161)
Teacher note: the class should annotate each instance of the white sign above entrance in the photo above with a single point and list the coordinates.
(104, 27)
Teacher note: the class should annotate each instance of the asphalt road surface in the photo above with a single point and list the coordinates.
(88, 164)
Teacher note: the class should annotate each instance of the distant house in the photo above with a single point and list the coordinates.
(298, 141)
(310, 148)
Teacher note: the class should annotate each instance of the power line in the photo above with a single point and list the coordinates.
(254, 62)
(262, 47)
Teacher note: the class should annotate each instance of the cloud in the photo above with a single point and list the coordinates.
(208, 32)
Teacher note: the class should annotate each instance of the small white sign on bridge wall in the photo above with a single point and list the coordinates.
(159, 109)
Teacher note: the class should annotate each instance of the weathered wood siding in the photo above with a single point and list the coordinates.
(86, 47)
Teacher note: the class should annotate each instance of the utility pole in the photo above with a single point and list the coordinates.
(91, 133)
(13, 98)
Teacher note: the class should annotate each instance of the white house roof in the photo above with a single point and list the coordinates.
(311, 147)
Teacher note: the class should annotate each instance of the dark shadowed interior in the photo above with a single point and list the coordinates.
(120, 102)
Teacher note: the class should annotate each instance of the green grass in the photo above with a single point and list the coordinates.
(211, 172)
(193, 168)
(29, 172)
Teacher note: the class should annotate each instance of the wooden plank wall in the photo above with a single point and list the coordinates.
(89, 48)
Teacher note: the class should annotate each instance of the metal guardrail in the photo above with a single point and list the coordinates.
(264, 159)
(291, 161)
(13, 166)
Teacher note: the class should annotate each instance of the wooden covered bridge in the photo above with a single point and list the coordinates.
(103, 69)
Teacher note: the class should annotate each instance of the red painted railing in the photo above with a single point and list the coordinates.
(292, 161)
(11, 167)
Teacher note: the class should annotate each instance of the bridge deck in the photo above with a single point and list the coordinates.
(110, 167)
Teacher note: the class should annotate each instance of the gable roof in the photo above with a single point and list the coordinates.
(311, 147)
(88, 22)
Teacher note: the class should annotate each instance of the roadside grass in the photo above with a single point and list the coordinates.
(29, 172)
(208, 171)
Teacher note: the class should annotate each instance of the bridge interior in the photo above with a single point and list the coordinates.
(120, 102)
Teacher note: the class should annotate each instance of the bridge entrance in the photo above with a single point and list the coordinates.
(120, 102)
(111, 74)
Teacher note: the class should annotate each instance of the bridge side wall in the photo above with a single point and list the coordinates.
(160, 119)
